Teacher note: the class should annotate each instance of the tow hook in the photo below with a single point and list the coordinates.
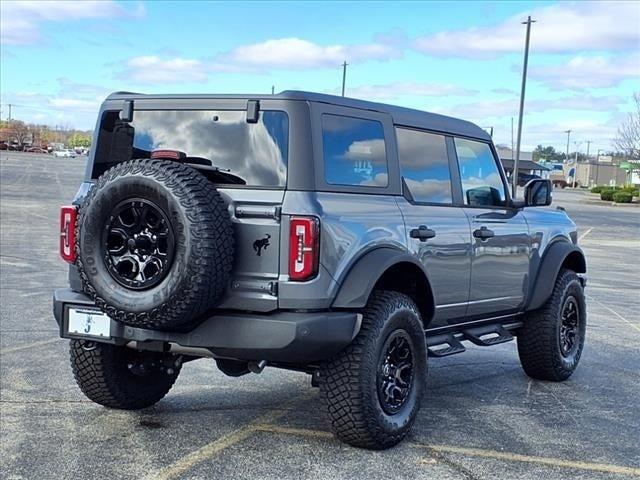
(257, 367)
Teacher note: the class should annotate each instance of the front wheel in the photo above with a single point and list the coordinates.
(551, 340)
(121, 377)
(373, 388)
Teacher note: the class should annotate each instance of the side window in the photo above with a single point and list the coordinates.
(354, 151)
(481, 181)
(424, 165)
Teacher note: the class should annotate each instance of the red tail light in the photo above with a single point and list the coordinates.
(68, 217)
(304, 248)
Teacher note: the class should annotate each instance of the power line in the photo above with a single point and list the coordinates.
(50, 109)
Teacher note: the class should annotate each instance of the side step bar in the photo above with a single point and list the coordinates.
(446, 344)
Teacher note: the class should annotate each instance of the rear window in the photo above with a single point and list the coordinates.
(354, 151)
(257, 153)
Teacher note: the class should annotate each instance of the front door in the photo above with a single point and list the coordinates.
(500, 235)
(437, 230)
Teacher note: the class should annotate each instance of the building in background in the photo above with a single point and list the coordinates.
(527, 168)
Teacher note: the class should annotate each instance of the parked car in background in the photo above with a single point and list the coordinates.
(524, 178)
(64, 153)
(35, 150)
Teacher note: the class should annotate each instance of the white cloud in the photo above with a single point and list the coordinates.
(71, 104)
(486, 109)
(588, 72)
(20, 20)
(399, 89)
(154, 70)
(298, 54)
(560, 28)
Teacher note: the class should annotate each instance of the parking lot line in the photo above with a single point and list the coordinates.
(516, 457)
(633, 325)
(472, 452)
(209, 450)
(186, 463)
(581, 237)
(303, 432)
(29, 345)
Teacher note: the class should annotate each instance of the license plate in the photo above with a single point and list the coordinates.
(89, 322)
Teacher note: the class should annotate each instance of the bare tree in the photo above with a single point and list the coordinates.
(628, 137)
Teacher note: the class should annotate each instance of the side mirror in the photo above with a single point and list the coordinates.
(537, 193)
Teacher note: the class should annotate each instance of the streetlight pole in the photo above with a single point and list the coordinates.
(588, 145)
(597, 165)
(512, 152)
(568, 132)
(524, 84)
(344, 75)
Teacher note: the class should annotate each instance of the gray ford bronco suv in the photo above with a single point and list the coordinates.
(347, 239)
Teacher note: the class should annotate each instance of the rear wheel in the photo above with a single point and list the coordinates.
(373, 388)
(121, 377)
(551, 340)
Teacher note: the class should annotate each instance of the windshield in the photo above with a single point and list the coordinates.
(255, 152)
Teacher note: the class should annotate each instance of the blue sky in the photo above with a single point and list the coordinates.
(59, 59)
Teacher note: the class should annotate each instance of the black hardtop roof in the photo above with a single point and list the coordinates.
(401, 115)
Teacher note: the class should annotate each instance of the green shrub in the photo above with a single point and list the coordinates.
(607, 195)
(622, 197)
(597, 189)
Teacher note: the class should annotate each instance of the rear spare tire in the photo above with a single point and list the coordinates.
(155, 244)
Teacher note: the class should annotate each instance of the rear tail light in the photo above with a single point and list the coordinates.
(68, 217)
(304, 248)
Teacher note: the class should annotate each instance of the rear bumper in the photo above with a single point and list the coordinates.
(288, 337)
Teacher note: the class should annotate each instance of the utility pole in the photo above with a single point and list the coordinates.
(575, 161)
(344, 75)
(273, 89)
(9, 119)
(588, 145)
(524, 84)
(568, 132)
(597, 165)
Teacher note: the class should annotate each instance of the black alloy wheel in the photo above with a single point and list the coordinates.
(138, 244)
(395, 372)
(569, 331)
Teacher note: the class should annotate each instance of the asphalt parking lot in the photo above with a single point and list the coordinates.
(482, 417)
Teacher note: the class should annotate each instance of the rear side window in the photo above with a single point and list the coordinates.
(424, 164)
(354, 151)
(481, 181)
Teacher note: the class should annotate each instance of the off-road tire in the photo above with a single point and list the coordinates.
(348, 382)
(539, 339)
(203, 253)
(103, 374)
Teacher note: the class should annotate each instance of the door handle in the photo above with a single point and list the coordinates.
(422, 233)
(483, 233)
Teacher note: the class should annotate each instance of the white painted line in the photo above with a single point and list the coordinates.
(581, 237)
(473, 452)
(633, 325)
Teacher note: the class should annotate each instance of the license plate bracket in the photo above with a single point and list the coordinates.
(88, 322)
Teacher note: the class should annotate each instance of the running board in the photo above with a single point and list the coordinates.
(447, 344)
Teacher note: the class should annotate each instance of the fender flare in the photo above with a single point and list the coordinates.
(359, 282)
(549, 268)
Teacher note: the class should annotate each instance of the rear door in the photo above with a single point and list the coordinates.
(437, 230)
(500, 235)
(247, 160)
